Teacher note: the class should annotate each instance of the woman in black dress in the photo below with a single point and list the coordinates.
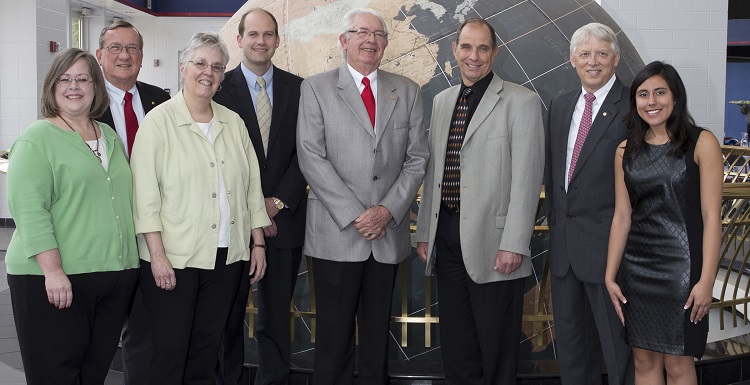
(666, 233)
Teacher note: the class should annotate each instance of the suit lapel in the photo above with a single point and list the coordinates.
(489, 100)
(349, 93)
(442, 125)
(387, 99)
(147, 100)
(281, 95)
(564, 132)
(244, 102)
(604, 118)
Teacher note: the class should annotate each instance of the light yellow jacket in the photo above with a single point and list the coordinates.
(176, 184)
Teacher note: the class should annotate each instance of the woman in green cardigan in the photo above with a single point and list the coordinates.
(72, 262)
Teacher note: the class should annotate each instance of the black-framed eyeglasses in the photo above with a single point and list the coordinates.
(115, 48)
(364, 33)
(202, 65)
(80, 81)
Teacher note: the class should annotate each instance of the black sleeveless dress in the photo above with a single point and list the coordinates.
(664, 250)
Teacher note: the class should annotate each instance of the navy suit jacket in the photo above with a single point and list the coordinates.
(579, 219)
(151, 96)
(279, 170)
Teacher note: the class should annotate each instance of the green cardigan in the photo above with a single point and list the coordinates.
(61, 197)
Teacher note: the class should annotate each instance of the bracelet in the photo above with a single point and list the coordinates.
(261, 245)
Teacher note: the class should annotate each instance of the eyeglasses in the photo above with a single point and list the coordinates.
(115, 48)
(202, 65)
(364, 33)
(66, 81)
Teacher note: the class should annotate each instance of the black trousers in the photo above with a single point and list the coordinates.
(344, 290)
(136, 342)
(187, 323)
(587, 329)
(480, 324)
(75, 345)
(275, 292)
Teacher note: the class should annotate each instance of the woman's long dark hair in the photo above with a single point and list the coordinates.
(679, 123)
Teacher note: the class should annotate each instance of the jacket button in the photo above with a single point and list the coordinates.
(570, 215)
(375, 178)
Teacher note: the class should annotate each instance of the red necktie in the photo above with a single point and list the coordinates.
(583, 131)
(369, 100)
(131, 121)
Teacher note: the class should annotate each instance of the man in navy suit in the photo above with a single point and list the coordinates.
(247, 90)
(120, 55)
(584, 127)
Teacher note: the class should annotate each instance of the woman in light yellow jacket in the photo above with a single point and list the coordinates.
(198, 212)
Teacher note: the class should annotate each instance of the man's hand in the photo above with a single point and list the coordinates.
(270, 230)
(422, 251)
(372, 223)
(271, 209)
(507, 262)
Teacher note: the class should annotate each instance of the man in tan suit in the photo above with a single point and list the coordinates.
(363, 150)
(478, 208)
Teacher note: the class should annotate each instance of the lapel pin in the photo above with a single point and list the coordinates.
(604, 113)
(153, 103)
(392, 97)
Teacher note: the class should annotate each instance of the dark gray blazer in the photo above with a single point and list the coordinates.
(580, 219)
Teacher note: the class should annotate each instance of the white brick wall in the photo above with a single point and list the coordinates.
(689, 34)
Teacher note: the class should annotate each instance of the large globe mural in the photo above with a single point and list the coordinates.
(534, 38)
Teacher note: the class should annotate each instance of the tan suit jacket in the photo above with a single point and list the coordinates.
(502, 161)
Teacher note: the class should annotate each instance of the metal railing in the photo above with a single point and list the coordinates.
(734, 275)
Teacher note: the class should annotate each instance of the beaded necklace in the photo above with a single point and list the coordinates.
(96, 135)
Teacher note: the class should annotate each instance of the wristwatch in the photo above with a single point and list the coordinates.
(279, 204)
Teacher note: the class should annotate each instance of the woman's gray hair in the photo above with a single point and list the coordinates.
(597, 30)
(347, 23)
(209, 40)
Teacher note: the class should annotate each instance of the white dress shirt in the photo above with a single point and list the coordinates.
(117, 105)
(600, 95)
(373, 76)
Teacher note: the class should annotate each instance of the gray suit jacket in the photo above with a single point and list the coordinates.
(579, 219)
(501, 176)
(350, 169)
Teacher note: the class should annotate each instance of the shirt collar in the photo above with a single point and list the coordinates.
(601, 93)
(251, 78)
(373, 76)
(118, 94)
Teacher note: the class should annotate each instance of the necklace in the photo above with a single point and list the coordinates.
(94, 151)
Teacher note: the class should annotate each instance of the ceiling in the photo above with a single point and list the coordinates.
(104, 8)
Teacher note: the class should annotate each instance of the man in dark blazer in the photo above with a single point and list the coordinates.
(120, 55)
(284, 189)
(363, 149)
(584, 127)
(481, 230)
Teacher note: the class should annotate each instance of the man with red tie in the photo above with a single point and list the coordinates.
(363, 150)
(120, 55)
